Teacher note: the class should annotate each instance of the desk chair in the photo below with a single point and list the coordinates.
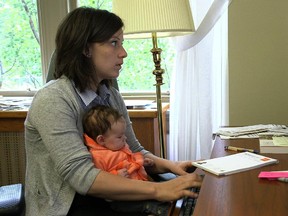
(12, 200)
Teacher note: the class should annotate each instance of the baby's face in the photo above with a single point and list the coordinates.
(115, 138)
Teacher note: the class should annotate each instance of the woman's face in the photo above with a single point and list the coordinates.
(108, 56)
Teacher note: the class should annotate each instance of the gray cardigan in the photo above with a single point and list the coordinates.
(58, 162)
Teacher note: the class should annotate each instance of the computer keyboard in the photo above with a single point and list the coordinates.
(189, 204)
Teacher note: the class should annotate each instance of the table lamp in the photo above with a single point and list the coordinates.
(152, 19)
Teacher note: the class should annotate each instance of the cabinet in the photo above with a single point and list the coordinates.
(145, 126)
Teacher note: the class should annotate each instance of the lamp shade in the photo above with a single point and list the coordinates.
(164, 17)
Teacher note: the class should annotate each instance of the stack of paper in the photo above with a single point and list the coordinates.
(252, 131)
(275, 132)
(15, 103)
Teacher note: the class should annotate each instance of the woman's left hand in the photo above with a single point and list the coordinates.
(182, 167)
(163, 166)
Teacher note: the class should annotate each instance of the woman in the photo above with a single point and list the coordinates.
(60, 174)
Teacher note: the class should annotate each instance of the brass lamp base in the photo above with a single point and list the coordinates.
(159, 81)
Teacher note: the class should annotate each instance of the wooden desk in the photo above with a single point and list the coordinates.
(145, 126)
(243, 194)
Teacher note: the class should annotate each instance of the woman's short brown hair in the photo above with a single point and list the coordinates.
(82, 26)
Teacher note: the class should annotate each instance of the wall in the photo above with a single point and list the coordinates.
(258, 62)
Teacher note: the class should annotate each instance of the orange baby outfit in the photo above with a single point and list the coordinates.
(112, 161)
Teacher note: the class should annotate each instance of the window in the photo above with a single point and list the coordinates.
(20, 51)
(20, 63)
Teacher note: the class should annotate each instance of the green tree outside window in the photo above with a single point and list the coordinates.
(20, 56)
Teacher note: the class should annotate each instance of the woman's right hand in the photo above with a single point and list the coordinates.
(178, 188)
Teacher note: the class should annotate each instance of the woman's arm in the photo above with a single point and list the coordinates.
(113, 187)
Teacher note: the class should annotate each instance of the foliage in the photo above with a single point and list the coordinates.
(20, 57)
(139, 65)
(20, 63)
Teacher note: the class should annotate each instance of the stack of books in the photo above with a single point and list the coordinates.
(273, 143)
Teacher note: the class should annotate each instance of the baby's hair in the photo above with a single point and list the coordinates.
(98, 120)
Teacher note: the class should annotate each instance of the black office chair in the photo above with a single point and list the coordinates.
(12, 200)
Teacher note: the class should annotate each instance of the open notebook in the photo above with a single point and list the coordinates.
(234, 163)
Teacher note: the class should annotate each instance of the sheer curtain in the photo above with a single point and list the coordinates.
(199, 98)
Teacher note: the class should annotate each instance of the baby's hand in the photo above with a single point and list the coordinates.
(123, 172)
(148, 162)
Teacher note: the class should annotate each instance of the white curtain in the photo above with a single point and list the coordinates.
(199, 97)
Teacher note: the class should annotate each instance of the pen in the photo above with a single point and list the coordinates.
(283, 179)
(238, 149)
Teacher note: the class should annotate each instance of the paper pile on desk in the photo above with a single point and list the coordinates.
(252, 131)
(15, 103)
